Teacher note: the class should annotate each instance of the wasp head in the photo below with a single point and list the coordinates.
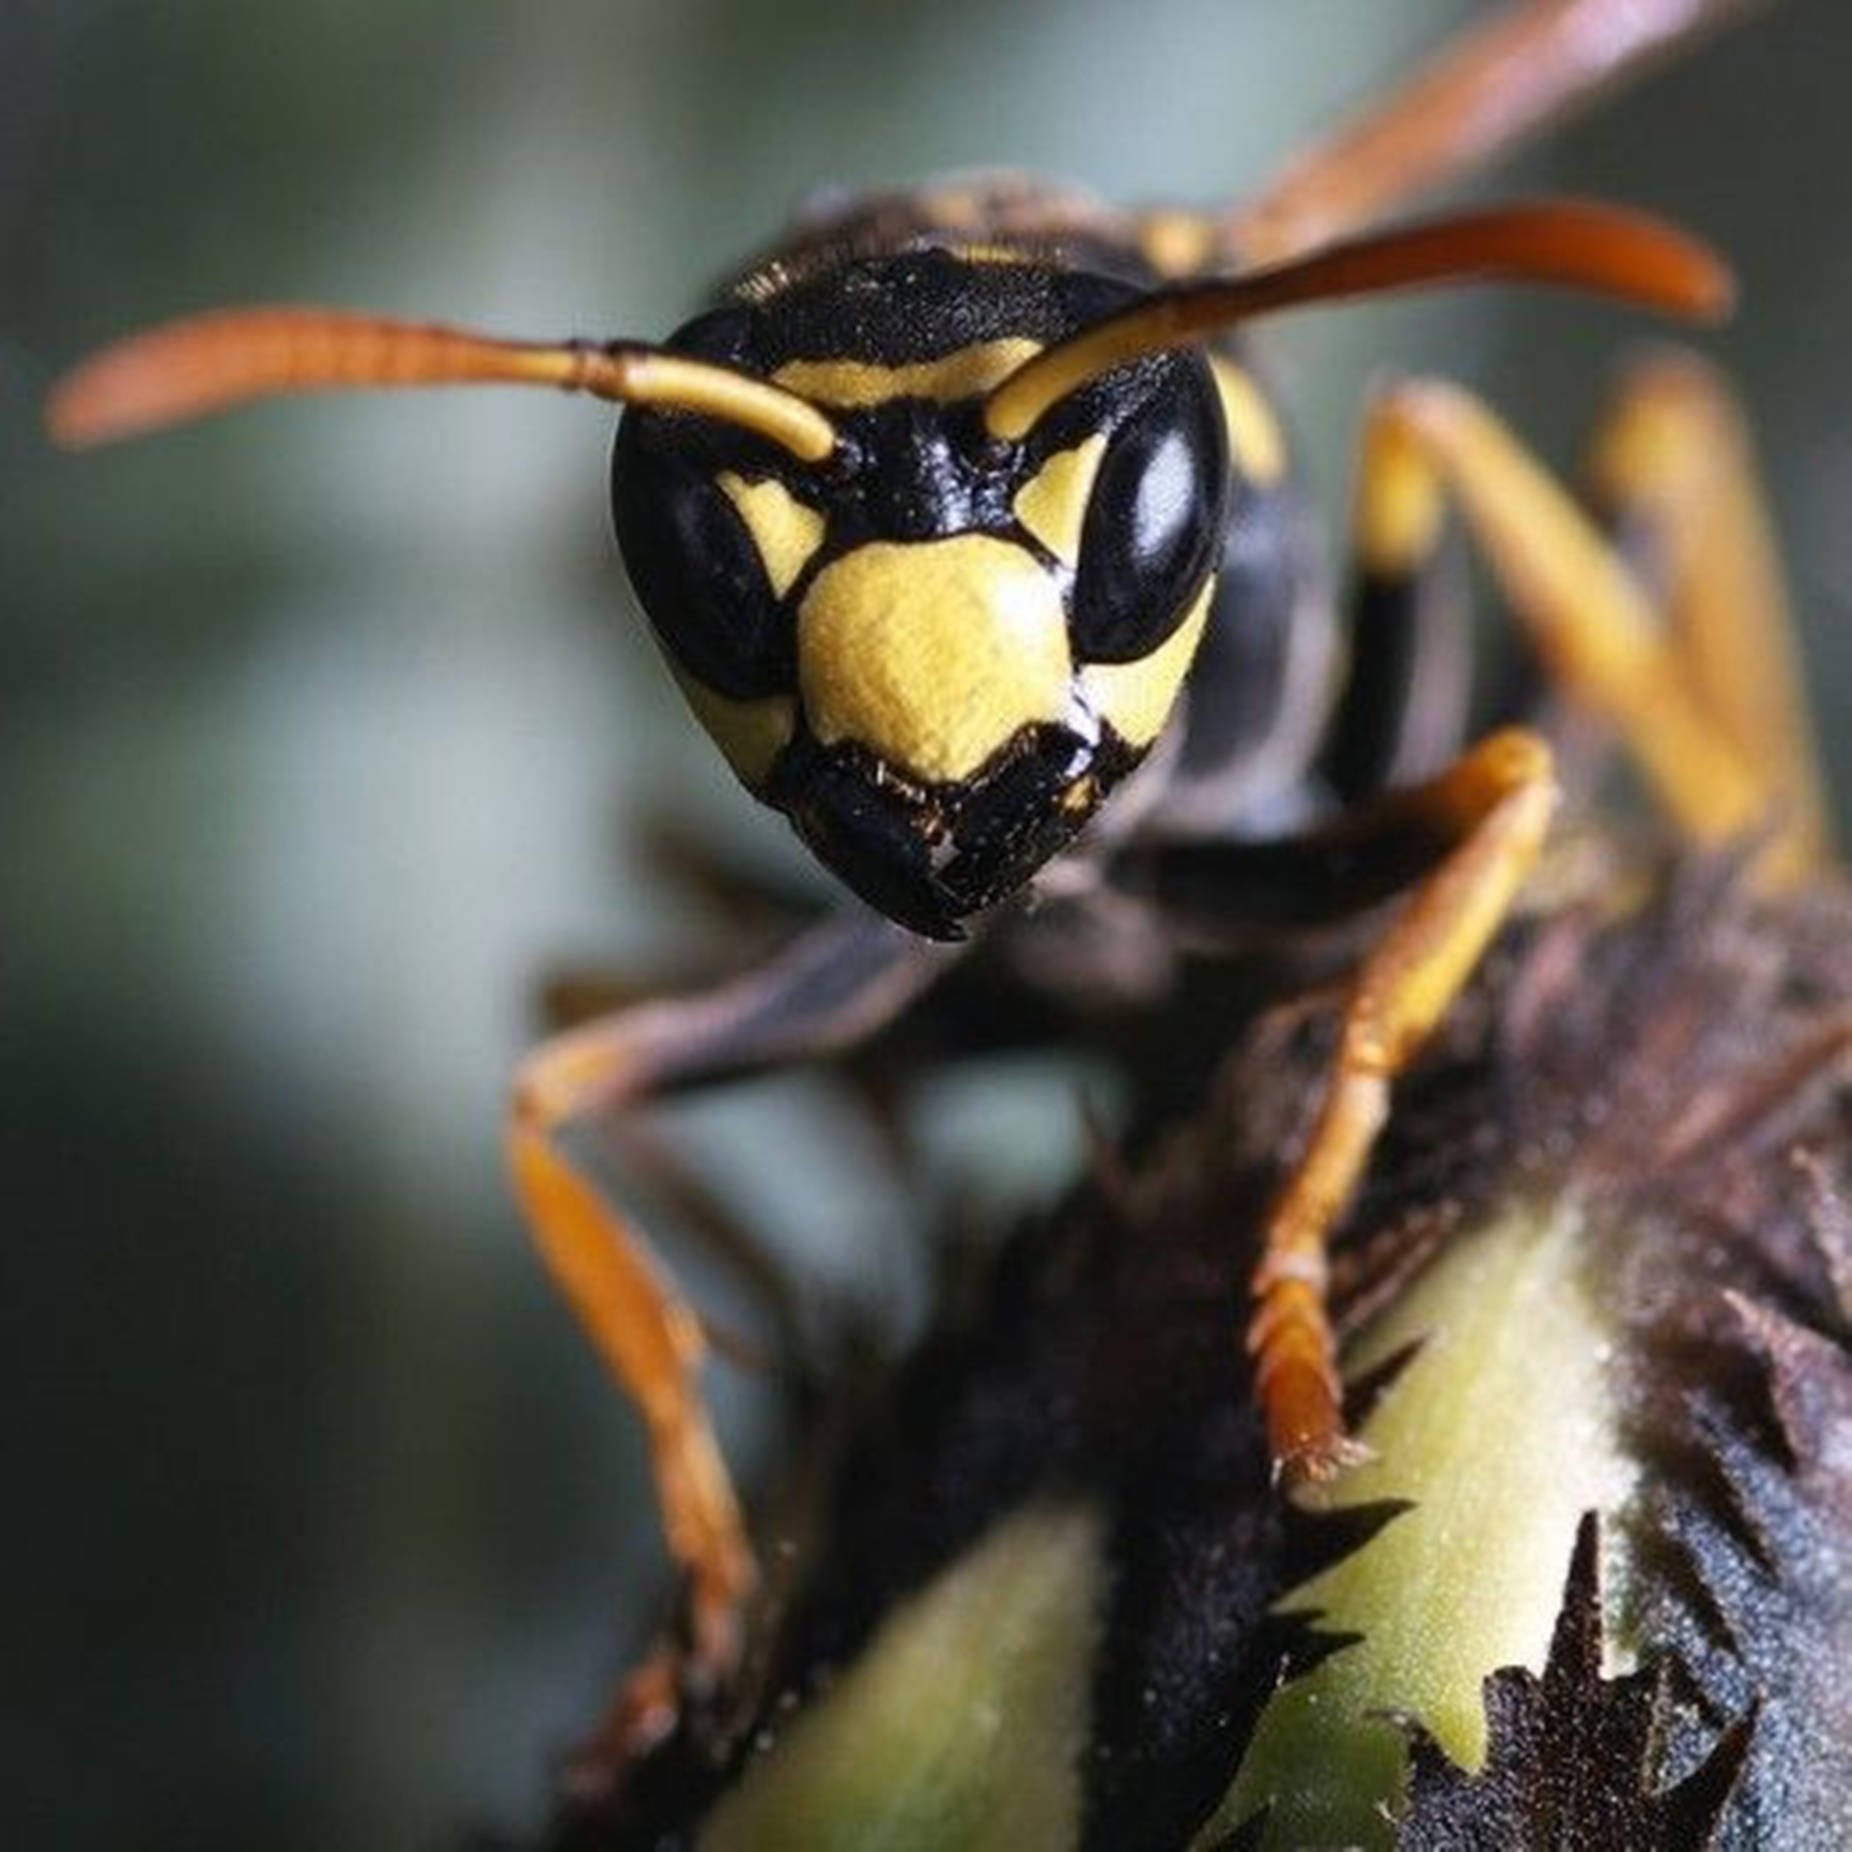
(937, 650)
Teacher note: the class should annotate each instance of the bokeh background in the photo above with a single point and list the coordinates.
(325, 729)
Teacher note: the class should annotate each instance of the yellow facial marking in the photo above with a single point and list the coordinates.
(1255, 440)
(964, 373)
(1052, 504)
(1135, 698)
(785, 532)
(932, 654)
(750, 733)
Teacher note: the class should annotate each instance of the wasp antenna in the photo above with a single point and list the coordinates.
(1566, 243)
(206, 363)
(634, 374)
(1512, 74)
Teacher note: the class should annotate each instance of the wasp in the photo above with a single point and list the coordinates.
(972, 537)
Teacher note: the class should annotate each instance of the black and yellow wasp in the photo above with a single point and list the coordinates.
(974, 542)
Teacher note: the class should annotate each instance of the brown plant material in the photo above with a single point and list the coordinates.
(1572, 1754)
(1658, 1071)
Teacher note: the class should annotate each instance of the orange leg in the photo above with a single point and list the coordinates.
(1496, 803)
(652, 1343)
(1719, 734)
(834, 986)
(1673, 476)
(1601, 639)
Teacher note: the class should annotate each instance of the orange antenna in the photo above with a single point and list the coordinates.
(205, 363)
(1566, 243)
(1514, 72)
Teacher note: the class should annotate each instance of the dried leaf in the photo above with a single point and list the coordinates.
(1643, 1079)
(1756, 1598)
(1570, 1755)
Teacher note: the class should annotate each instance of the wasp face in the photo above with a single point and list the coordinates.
(936, 652)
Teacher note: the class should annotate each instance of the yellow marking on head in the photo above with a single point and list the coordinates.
(965, 373)
(1176, 244)
(1135, 698)
(1052, 504)
(750, 733)
(1400, 507)
(1256, 443)
(783, 529)
(932, 653)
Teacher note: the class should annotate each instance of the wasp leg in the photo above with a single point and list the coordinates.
(1590, 620)
(1722, 760)
(1673, 477)
(1494, 807)
(1402, 711)
(836, 985)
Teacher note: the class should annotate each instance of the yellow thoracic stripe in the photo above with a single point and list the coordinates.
(964, 373)
(1256, 444)
(1176, 243)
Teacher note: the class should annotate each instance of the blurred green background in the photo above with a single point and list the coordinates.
(324, 730)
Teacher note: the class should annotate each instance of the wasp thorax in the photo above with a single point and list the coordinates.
(936, 652)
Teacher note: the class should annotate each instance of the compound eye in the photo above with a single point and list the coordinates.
(701, 578)
(1153, 523)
